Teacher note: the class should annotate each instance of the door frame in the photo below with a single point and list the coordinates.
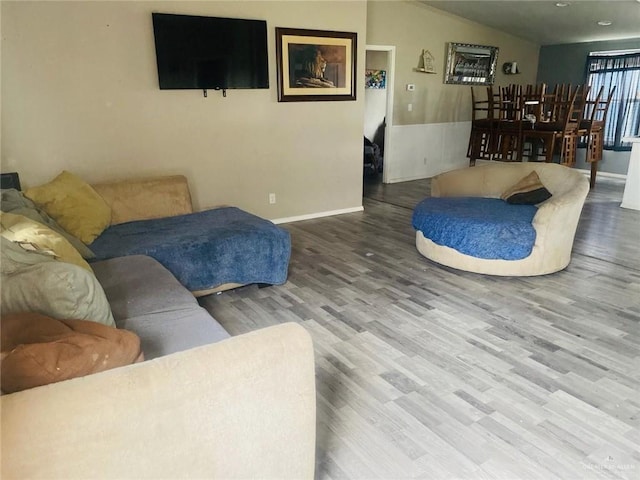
(388, 137)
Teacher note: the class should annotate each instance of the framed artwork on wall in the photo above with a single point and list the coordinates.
(375, 79)
(315, 65)
(471, 64)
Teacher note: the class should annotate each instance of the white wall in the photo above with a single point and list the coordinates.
(80, 92)
(375, 100)
(437, 126)
(425, 150)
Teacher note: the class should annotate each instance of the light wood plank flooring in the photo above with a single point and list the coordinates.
(432, 373)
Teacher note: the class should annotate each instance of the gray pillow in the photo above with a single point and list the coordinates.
(13, 257)
(56, 289)
(13, 201)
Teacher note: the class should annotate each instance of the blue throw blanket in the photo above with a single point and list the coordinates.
(480, 227)
(205, 249)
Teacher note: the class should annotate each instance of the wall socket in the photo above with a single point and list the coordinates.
(272, 198)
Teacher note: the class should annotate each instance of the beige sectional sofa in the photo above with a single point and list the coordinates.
(203, 405)
(240, 408)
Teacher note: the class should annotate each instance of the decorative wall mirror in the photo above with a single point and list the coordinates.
(471, 64)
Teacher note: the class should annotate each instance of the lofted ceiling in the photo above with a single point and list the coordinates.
(545, 23)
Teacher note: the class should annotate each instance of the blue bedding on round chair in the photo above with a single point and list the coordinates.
(487, 228)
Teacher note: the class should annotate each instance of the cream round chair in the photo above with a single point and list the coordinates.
(555, 221)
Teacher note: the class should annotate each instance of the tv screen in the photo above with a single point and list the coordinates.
(210, 52)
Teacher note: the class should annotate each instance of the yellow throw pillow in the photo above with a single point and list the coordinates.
(74, 204)
(40, 238)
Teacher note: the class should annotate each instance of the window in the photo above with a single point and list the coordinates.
(622, 70)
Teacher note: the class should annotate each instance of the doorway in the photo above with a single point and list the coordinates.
(379, 109)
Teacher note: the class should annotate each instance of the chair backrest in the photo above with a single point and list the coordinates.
(576, 114)
(566, 112)
(481, 109)
(591, 106)
(561, 94)
(510, 107)
(602, 108)
(532, 100)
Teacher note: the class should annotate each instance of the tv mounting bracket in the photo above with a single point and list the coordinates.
(224, 92)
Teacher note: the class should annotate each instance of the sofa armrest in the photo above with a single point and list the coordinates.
(556, 221)
(146, 198)
(240, 408)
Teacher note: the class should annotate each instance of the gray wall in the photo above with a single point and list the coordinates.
(566, 64)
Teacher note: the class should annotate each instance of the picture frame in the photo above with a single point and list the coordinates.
(375, 79)
(469, 64)
(315, 65)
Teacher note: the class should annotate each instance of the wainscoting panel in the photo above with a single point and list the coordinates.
(425, 150)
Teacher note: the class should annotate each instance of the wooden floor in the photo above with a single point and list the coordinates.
(428, 372)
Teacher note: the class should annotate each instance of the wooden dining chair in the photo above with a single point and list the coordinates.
(532, 103)
(592, 129)
(520, 104)
(483, 122)
(561, 130)
(509, 124)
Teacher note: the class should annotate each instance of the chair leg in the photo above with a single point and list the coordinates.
(550, 145)
(568, 154)
(594, 172)
(594, 153)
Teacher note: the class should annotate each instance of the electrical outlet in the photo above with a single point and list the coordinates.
(272, 198)
(410, 107)
(425, 160)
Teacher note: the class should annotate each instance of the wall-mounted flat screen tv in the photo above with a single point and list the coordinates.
(210, 52)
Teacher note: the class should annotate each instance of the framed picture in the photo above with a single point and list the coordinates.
(375, 79)
(471, 64)
(315, 65)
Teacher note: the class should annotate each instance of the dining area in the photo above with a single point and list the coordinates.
(533, 122)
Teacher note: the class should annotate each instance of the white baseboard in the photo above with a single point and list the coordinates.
(603, 174)
(311, 216)
(407, 179)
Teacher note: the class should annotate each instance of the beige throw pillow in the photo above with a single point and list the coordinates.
(527, 191)
(40, 238)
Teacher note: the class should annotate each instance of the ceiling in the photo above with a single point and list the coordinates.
(544, 23)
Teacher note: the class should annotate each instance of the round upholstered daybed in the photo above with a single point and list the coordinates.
(555, 220)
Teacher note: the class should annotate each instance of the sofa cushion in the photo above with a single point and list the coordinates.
(163, 333)
(74, 204)
(144, 198)
(147, 299)
(39, 237)
(139, 285)
(14, 201)
(38, 350)
(56, 289)
(529, 190)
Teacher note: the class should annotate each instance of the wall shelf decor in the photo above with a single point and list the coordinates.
(471, 64)
(510, 68)
(426, 64)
